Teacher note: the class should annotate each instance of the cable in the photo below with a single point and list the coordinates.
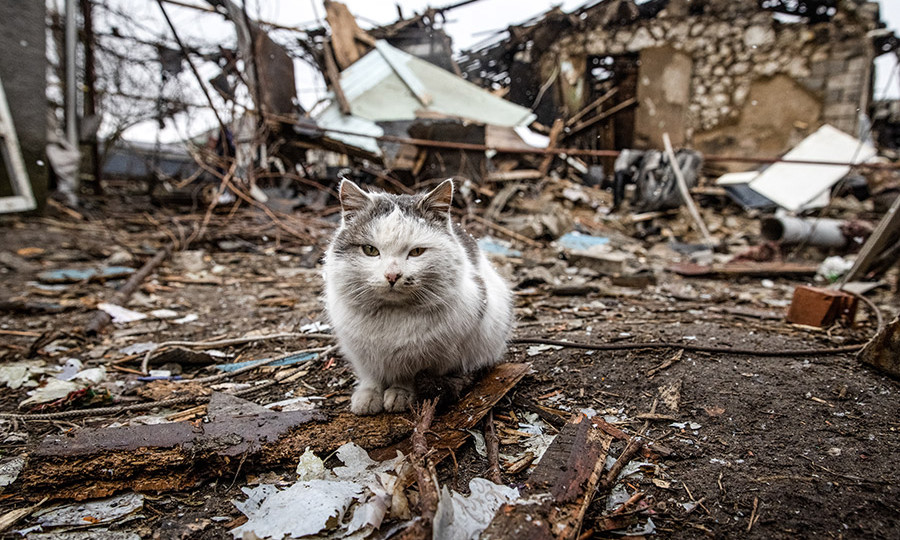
(829, 351)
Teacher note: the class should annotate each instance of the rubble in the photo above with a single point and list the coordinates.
(686, 315)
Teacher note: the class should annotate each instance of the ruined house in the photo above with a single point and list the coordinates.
(740, 78)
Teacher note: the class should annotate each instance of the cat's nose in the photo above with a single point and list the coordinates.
(392, 277)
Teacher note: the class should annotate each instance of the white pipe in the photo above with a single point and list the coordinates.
(818, 232)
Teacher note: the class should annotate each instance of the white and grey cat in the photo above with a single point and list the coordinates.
(409, 291)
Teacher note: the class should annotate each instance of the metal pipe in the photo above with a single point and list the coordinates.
(818, 232)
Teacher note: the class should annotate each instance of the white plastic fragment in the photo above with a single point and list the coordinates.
(478, 439)
(70, 369)
(362, 487)
(139, 348)
(189, 318)
(304, 508)
(463, 518)
(119, 314)
(310, 467)
(18, 374)
(54, 389)
(315, 327)
(91, 512)
(301, 403)
(91, 376)
(540, 438)
(535, 350)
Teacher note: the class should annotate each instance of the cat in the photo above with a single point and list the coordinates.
(408, 291)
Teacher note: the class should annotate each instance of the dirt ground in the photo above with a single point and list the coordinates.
(758, 447)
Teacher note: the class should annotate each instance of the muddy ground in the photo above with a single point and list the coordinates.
(803, 446)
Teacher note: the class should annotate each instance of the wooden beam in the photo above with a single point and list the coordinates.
(556, 132)
(593, 105)
(97, 462)
(560, 488)
(877, 242)
(344, 34)
(581, 126)
(334, 77)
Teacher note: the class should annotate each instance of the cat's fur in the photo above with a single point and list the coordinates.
(447, 312)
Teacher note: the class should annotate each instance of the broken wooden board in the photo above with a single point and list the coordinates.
(239, 435)
(778, 269)
(883, 350)
(88, 463)
(449, 429)
(558, 492)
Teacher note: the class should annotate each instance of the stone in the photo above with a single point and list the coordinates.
(680, 31)
(768, 69)
(758, 35)
(740, 94)
(740, 68)
(798, 68)
(722, 30)
(641, 40)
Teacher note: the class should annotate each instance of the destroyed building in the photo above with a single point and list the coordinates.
(724, 77)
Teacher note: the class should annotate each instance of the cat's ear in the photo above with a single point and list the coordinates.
(439, 199)
(352, 198)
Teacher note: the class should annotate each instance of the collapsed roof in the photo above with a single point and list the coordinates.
(388, 84)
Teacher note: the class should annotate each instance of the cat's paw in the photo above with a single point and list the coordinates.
(398, 399)
(366, 401)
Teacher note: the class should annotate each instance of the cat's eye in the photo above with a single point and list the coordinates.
(415, 252)
(370, 250)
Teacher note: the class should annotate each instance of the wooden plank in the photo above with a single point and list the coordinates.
(98, 462)
(509, 176)
(450, 428)
(593, 105)
(334, 77)
(876, 244)
(744, 269)
(555, 132)
(560, 488)
(345, 34)
(602, 116)
(23, 199)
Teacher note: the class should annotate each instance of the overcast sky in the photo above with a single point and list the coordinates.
(467, 26)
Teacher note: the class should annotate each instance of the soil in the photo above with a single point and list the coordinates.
(759, 447)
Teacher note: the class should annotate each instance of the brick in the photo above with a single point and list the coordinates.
(815, 306)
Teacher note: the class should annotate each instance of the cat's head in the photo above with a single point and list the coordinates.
(395, 249)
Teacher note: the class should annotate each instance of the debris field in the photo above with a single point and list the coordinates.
(695, 203)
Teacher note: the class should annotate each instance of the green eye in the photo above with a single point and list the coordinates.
(415, 252)
(370, 250)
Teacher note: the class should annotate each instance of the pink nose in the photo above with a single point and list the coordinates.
(392, 277)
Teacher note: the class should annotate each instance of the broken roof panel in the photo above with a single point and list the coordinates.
(796, 186)
(389, 84)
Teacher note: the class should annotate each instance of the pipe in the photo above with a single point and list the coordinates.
(817, 232)
(71, 34)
